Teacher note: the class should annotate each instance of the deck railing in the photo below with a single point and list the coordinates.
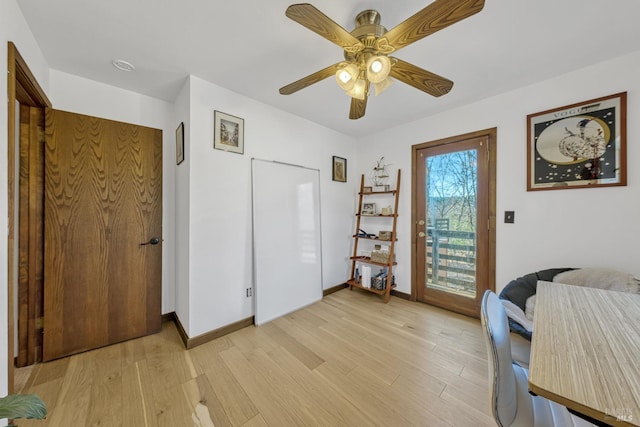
(451, 260)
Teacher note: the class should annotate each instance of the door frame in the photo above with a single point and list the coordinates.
(23, 87)
(491, 134)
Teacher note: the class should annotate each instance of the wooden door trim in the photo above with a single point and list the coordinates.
(30, 235)
(491, 134)
(23, 87)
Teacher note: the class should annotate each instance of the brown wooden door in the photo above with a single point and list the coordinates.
(454, 199)
(103, 198)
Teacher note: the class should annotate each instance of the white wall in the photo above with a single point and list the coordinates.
(220, 249)
(79, 95)
(182, 197)
(596, 227)
(12, 28)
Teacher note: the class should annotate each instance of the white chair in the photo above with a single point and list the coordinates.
(511, 403)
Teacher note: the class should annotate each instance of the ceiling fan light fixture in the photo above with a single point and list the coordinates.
(367, 47)
(347, 75)
(378, 68)
(359, 89)
(382, 86)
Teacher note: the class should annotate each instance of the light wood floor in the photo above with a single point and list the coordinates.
(349, 360)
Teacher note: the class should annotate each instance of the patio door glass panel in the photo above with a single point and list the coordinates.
(452, 219)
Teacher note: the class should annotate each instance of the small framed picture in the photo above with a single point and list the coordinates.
(339, 169)
(180, 143)
(228, 133)
(367, 190)
(368, 209)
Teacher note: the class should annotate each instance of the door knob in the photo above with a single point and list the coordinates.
(152, 241)
(421, 234)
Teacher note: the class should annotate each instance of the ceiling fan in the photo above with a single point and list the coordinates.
(368, 46)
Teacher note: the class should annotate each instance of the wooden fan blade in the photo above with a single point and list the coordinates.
(310, 79)
(421, 79)
(438, 15)
(358, 108)
(310, 17)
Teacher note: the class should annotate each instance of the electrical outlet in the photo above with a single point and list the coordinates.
(509, 217)
(249, 292)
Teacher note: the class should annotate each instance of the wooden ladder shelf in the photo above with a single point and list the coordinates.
(384, 286)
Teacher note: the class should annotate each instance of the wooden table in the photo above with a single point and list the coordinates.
(585, 352)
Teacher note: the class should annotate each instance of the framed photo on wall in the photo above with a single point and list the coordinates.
(581, 145)
(228, 132)
(180, 143)
(339, 169)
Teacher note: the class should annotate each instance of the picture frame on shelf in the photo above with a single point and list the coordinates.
(339, 169)
(228, 132)
(368, 209)
(180, 143)
(581, 145)
(367, 190)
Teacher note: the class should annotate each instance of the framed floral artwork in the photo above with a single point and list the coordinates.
(339, 169)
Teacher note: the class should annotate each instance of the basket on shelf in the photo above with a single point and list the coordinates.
(380, 256)
(384, 235)
(379, 282)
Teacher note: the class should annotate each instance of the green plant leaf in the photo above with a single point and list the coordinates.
(22, 406)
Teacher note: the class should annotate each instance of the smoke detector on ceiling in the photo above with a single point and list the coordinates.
(123, 65)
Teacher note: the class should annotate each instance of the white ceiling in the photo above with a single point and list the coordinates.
(250, 47)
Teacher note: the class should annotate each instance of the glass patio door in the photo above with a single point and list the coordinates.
(453, 224)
